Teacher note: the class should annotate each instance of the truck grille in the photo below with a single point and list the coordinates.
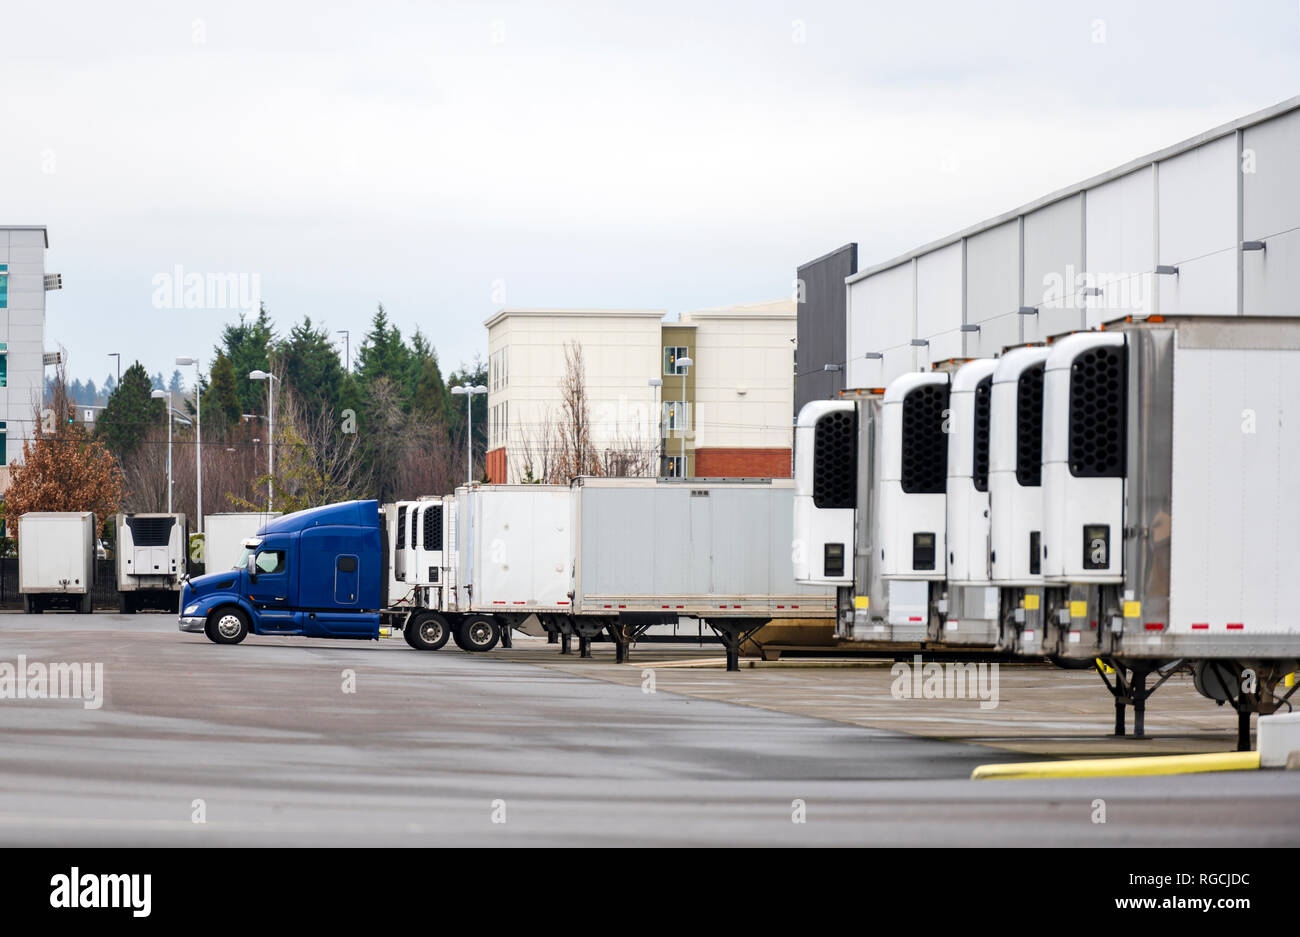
(1029, 427)
(835, 460)
(150, 531)
(925, 444)
(1098, 417)
(433, 527)
(983, 408)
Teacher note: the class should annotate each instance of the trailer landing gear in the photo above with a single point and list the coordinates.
(733, 632)
(1130, 689)
(624, 635)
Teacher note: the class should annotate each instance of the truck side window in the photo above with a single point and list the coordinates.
(347, 564)
(270, 562)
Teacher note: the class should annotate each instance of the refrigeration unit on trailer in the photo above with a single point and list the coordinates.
(319, 573)
(224, 536)
(152, 552)
(1016, 497)
(1171, 506)
(653, 551)
(56, 560)
(825, 489)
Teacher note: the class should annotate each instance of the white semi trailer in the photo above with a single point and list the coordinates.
(224, 535)
(56, 560)
(604, 555)
(152, 552)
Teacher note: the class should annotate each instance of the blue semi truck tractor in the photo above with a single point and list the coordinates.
(319, 573)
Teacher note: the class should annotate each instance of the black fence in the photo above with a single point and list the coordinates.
(104, 595)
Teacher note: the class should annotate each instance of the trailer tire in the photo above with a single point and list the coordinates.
(478, 633)
(426, 631)
(1072, 663)
(227, 625)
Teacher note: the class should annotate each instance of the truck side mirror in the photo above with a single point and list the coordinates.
(250, 566)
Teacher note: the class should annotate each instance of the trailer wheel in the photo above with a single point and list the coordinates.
(1072, 663)
(426, 631)
(227, 625)
(478, 633)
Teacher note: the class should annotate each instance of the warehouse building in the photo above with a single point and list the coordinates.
(726, 415)
(1207, 227)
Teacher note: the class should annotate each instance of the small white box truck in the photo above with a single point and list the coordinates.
(56, 560)
(224, 536)
(152, 551)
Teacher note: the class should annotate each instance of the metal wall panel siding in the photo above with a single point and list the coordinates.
(1198, 230)
(821, 325)
(1053, 264)
(1120, 247)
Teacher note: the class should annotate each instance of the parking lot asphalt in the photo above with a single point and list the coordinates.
(289, 741)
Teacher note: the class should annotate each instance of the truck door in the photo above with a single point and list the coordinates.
(274, 593)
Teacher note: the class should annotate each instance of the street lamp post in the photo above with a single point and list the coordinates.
(185, 361)
(469, 392)
(683, 365)
(655, 383)
(347, 353)
(171, 412)
(118, 356)
(270, 441)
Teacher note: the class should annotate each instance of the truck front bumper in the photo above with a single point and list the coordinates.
(192, 624)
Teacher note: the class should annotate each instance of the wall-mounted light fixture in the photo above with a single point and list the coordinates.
(1252, 245)
(971, 327)
(1165, 270)
(870, 355)
(920, 342)
(1028, 310)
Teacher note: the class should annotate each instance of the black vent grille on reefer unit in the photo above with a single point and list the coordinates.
(835, 460)
(1029, 427)
(150, 531)
(401, 528)
(433, 527)
(983, 407)
(1098, 413)
(925, 444)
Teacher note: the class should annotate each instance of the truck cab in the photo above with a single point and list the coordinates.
(318, 573)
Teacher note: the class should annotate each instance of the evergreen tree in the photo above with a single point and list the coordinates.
(130, 412)
(177, 384)
(309, 364)
(383, 353)
(221, 403)
(428, 392)
(248, 346)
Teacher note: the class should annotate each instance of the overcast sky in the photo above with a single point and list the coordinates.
(450, 158)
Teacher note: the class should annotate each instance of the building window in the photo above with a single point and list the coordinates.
(4, 440)
(677, 416)
(4, 286)
(675, 466)
(672, 353)
(4, 367)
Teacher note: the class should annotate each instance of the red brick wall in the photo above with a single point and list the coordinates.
(495, 463)
(742, 463)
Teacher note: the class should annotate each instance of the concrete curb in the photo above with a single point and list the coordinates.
(1120, 767)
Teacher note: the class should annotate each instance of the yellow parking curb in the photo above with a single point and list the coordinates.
(1120, 767)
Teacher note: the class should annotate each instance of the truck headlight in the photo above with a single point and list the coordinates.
(191, 609)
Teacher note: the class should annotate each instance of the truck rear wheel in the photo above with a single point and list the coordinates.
(426, 631)
(227, 625)
(478, 633)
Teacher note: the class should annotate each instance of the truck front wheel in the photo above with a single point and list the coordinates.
(478, 633)
(227, 625)
(426, 631)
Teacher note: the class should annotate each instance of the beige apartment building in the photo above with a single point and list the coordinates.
(727, 415)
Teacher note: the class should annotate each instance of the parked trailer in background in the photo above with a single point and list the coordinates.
(653, 551)
(224, 536)
(152, 552)
(56, 560)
